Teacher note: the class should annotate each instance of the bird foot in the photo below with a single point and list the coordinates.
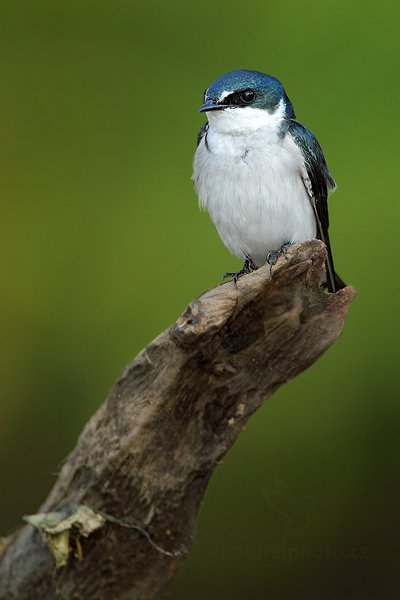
(247, 268)
(273, 255)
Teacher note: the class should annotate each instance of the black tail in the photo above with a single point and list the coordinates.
(335, 285)
(333, 282)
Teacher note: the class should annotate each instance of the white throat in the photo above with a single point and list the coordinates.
(245, 120)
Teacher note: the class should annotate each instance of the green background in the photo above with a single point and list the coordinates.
(103, 245)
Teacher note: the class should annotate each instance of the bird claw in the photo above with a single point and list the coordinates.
(233, 276)
(247, 268)
(273, 255)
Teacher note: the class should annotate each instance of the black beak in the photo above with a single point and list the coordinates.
(211, 105)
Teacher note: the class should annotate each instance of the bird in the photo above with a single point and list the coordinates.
(260, 173)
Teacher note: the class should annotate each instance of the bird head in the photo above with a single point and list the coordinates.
(242, 101)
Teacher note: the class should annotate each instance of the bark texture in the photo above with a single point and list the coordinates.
(144, 459)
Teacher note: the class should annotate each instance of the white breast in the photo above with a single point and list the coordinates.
(249, 178)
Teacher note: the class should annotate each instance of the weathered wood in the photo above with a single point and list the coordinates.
(145, 457)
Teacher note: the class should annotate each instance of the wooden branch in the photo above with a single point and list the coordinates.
(143, 461)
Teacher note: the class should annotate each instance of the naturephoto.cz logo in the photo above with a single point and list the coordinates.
(295, 512)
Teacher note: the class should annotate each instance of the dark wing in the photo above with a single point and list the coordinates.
(202, 132)
(318, 182)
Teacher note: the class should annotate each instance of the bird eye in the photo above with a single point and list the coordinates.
(247, 96)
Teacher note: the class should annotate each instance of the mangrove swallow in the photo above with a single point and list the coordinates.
(260, 173)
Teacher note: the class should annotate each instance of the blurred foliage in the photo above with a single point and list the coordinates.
(102, 246)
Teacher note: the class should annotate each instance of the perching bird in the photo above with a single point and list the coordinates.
(260, 173)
